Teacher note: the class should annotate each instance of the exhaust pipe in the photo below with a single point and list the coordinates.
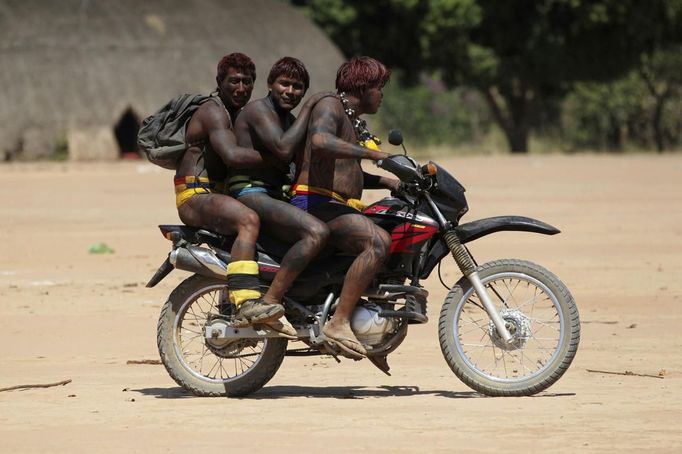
(198, 260)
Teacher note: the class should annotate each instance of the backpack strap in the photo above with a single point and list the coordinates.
(214, 96)
(185, 103)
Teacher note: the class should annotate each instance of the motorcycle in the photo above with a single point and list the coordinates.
(506, 328)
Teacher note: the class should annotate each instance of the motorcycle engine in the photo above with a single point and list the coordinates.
(369, 327)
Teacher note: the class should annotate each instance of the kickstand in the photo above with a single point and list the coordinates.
(335, 356)
(381, 363)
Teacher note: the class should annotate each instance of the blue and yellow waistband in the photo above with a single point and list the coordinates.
(238, 182)
(305, 190)
(188, 186)
(239, 185)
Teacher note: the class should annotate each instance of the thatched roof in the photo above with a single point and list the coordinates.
(74, 66)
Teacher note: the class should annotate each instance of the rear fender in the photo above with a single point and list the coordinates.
(196, 235)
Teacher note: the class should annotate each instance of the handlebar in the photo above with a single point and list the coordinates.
(414, 179)
(402, 167)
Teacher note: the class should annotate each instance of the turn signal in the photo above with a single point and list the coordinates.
(430, 169)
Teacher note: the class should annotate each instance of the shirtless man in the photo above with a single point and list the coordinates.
(268, 126)
(330, 180)
(204, 168)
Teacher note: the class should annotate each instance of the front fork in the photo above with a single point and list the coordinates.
(468, 268)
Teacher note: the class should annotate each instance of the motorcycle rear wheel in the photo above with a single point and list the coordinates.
(206, 367)
(539, 312)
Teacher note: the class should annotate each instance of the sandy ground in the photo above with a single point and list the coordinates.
(68, 314)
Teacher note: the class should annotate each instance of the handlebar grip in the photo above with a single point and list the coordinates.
(402, 172)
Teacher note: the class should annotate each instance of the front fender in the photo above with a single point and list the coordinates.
(476, 229)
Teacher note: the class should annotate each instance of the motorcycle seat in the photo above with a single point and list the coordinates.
(265, 243)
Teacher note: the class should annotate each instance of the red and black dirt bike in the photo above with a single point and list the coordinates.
(506, 328)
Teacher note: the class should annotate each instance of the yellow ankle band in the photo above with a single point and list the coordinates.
(237, 297)
(242, 267)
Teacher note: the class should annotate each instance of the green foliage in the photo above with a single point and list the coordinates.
(429, 114)
(385, 29)
(523, 56)
(60, 150)
(643, 109)
(596, 115)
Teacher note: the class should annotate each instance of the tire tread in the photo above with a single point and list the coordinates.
(446, 335)
(273, 353)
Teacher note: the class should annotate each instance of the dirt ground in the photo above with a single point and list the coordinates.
(69, 314)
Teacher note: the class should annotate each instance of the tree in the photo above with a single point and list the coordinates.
(518, 53)
(661, 71)
(599, 115)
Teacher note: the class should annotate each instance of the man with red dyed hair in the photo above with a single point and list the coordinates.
(330, 180)
(203, 169)
(268, 126)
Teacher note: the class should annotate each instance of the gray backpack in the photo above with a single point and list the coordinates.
(162, 135)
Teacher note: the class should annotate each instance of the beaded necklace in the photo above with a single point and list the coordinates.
(360, 125)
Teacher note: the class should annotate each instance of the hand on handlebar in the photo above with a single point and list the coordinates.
(378, 156)
(401, 166)
(398, 190)
(392, 184)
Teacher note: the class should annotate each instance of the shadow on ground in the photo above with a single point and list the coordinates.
(335, 392)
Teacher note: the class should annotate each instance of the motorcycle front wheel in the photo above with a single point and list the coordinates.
(539, 313)
(211, 367)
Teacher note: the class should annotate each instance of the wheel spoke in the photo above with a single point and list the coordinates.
(533, 300)
(222, 369)
(540, 346)
(191, 339)
(476, 325)
(504, 363)
(214, 359)
(196, 333)
(477, 328)
(482, 352)
(208, 374)
(243, 362)
(547, 329)
(190, 310)
(510, 291)
(546, 322)
(531, 309)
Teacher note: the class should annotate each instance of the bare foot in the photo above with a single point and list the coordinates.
(283, 327)
(343, 336)
(256, 311)
(269, 299)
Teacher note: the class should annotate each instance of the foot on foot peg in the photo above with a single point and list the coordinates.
(283, 327)
(257, 311)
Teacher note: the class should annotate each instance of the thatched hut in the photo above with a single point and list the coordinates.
(82, 73)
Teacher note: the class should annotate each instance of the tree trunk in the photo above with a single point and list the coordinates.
(660, 98)
(518, 140)
(614, 136)
(656, 120)
(514, 121)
